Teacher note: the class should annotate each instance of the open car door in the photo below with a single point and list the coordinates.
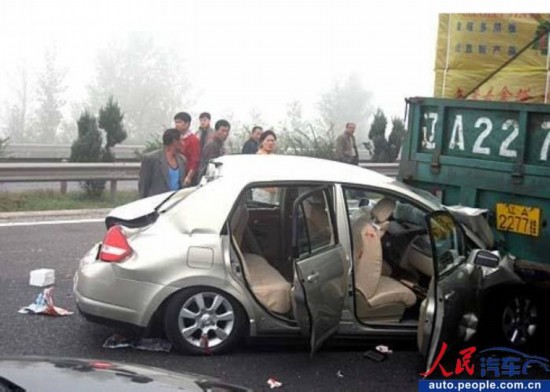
(446, 314)
(319, 271)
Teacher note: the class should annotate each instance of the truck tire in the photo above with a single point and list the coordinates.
(513, 319)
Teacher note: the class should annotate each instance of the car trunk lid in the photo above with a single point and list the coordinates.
(145, 212)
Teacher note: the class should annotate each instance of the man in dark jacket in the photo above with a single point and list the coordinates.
(163, 170)
(251, 145)
(205, 131)
(346, 148)
(215, 147)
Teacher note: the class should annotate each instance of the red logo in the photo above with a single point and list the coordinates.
(463, 363)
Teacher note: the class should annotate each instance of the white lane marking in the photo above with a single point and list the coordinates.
(55, 222)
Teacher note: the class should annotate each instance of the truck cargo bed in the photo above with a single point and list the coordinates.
(492, 155)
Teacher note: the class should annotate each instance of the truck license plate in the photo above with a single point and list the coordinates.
(518, 219)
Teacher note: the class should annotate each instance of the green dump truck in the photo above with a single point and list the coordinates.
(491, 155)
(494, 156)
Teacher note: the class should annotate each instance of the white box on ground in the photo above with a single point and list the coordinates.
(42, 277)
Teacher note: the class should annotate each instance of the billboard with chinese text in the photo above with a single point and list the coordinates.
(472, 46)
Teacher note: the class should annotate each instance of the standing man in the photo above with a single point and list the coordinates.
(215, 147)
(346, 149)
(205, 131)
(162, 170)
(190, 146)
(251, 145)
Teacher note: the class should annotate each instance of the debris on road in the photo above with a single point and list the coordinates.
(153, 344)
(43, 304)
(383, 349)
(375, 355)
(339, 374)
(273, 383)
(117, 341)
(42, 277)
(149, 344)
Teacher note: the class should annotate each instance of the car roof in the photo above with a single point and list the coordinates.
(207, 209)
(257, 168)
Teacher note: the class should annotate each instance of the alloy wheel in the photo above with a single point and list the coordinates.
(206, 319)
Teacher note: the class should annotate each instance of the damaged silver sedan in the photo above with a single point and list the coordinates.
(291, 246)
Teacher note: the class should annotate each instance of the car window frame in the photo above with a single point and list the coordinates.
(387, 192)
(282, 206)
(330, 204)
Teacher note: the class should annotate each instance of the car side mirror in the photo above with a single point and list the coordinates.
(485, 258)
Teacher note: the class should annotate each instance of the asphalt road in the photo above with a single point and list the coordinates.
(339, 366)
(24, 248)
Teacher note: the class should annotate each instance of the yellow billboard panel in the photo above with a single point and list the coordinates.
(512, 86)
(474, 41)
(472, 46)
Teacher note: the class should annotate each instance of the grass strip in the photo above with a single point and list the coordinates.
(45, 200)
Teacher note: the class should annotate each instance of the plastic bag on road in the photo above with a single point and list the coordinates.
(43, 304)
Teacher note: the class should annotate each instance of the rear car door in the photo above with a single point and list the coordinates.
(450, 303)
(319, 266)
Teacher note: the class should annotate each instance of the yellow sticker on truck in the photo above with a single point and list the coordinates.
(518, 219)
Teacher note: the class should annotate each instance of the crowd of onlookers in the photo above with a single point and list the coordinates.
(185, 153)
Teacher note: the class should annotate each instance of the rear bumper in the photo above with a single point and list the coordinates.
(93, 309)
(104, 297)
(110, 322)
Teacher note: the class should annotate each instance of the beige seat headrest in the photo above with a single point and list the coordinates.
(382, 211)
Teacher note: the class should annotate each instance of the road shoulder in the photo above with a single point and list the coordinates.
(41, 216)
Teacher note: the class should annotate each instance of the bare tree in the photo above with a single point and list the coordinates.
(16, 109)
(294, 116)
(147, 79)
(4, 146)
(256, 116)
(300, 137)
(50, 88)
(346, 101)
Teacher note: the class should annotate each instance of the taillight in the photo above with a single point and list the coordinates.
(115, 247)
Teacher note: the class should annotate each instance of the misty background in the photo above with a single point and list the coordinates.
(283, 65)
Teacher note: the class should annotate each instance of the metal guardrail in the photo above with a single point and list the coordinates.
(388, 169)
(41, 172)
(113, 172)
(34, 152)
(28, 152)
(65, 172)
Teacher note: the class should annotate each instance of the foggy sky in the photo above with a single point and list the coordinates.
(246, 55)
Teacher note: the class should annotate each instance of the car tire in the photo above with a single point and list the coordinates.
(517, 316)
(203, 320)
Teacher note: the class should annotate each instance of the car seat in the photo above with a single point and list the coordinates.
(378, 297)
(378, 215)
(266, 283)
(417, 257)
(318, 222)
